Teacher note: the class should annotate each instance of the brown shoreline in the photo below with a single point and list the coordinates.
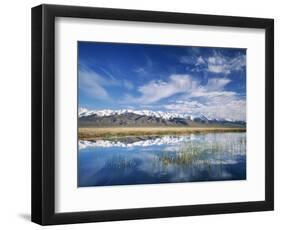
(93, 133)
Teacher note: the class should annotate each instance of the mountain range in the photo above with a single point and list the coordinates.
(148, 118)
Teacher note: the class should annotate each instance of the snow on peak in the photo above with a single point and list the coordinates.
(83, 112)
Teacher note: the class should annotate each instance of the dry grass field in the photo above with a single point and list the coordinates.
(115, 132)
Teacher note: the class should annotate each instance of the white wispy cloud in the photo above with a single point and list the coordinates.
(200, 60)
(219, 107)
(211, 100)
(128, 85)
(157, 90)
(214, 87)
(140, 70)
(217, 83)
(193, 97)
(93, 84)
(215, 63)
(184, 84)
(146, 68)
(222, 64)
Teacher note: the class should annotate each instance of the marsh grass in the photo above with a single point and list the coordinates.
(194, 153)
(121, 163)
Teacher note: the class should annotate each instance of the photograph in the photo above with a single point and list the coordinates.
(151, 114)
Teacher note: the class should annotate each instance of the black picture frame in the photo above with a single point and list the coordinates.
(43, 114)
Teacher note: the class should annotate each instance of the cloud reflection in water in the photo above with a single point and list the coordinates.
(167, 159)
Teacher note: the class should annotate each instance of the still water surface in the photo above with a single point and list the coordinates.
(163, 159)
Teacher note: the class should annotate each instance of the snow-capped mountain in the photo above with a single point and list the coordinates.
(132, 117)
(83, 112)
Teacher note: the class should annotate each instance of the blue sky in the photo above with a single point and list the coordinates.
(181, 79)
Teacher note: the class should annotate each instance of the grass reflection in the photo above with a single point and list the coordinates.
(206, 157)
(204, 152)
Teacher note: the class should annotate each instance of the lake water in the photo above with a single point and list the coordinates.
(163, 159)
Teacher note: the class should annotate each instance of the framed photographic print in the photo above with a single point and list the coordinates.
(141, 114)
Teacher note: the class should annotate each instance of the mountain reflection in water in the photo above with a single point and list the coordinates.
(162, 159)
